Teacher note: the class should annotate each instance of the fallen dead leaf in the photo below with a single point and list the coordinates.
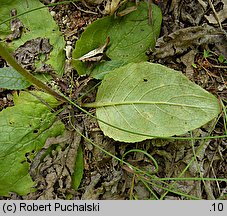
(181, 40)
(222, 15)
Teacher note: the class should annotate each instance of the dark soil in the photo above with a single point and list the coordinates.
(189, 28)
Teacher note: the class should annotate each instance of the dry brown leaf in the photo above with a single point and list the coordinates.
(222, 16)
(96, 54)
(181, 40)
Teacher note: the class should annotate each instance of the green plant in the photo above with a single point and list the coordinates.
(26, 78)
(222, 59)
(127, 45)
(137, 100)
(206, 53)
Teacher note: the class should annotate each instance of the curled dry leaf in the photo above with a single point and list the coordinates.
(96, 54)
(112, 6)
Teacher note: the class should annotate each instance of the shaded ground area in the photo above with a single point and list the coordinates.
(193, 40)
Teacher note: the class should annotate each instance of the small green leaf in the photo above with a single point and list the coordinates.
(153, 100)
(78, 169)
(130, 38)
(221, 59)
(194, 65)
(24, 130)
(206, 53)
(11, 79)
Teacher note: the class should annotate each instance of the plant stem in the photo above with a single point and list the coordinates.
(32, 79)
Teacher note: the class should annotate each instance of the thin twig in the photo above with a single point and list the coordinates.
(150, 12)
(217, 17)
(85, 11)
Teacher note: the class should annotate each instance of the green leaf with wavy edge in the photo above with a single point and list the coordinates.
(11, 79)
(153, 100)
(24, 129)
(130, 38)
(38, 23)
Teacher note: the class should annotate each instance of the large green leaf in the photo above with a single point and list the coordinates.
(11, 79)
(151, 99)
(24, 129)
(37, 24)
(130, 37)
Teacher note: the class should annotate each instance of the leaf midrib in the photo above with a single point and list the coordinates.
(122, 103)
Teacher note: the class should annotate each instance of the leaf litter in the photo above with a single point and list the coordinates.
(97, 174)
(53, 171)
(184, 39)
(31, 52)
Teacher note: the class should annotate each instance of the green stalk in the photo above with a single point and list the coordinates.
(32, 79)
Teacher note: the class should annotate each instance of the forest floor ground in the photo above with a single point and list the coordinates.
(193, 40)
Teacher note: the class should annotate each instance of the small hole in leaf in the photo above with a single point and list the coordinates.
(35, 131)
(27, 155)
(145, 80)
(24, 161)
